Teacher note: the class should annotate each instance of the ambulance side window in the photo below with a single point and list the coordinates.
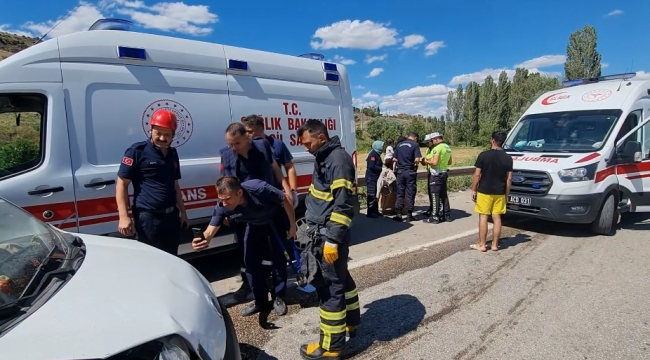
(645, 144)
(21, 133)
(625, 152)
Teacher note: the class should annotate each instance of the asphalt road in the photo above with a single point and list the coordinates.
(560, 295)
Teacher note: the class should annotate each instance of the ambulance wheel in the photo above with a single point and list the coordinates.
(232, 343)
(607, 216)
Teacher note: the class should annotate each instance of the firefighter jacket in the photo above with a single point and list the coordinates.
(330, 202)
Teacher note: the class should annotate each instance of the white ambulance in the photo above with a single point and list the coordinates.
(582, 153)
(70, 106)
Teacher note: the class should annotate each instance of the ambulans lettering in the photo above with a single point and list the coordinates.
(194, 194)
(280, 126)
(555, 98)
(185, 124)
(535, 159)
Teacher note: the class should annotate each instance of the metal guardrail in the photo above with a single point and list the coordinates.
(422, 174)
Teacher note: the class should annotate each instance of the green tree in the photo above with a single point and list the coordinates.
(417, 126)
(582, 58)
(487, 121)
(503, 105)
(383, 128)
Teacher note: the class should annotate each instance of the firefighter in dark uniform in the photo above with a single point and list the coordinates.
(407, 156)
(248, 159)
(373, 170)
(438, 165)
(153, 167)
(270, 218)
(329, 213)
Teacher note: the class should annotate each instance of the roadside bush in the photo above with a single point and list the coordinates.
(17, 152)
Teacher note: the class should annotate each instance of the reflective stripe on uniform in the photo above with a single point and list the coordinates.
(331, 324)
(341, 219)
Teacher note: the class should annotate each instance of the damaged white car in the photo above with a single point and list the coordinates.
(77, 296)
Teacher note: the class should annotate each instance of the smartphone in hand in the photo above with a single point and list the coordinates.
(198, 233)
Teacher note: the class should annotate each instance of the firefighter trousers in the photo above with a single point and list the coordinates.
(339, 301)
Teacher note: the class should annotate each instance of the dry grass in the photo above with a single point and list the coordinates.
(461, 156)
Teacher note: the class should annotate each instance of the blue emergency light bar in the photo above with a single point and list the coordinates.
(313, 56)
(111, 24)
(575, 82)
(124, 52)
(331, 77)
(237, 65)
(330, 67)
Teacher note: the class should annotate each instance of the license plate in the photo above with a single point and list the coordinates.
(518, 200)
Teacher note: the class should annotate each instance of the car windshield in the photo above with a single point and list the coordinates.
(569, 131)
(25, 242)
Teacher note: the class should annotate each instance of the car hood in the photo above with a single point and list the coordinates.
(551, 162)
(124, 294)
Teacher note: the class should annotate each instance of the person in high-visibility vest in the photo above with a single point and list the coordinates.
(438, 166)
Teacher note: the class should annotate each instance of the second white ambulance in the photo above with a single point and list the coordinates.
(582, 153)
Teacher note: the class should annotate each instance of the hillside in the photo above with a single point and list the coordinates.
(11, 44)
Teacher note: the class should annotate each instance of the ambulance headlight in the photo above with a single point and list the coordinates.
(168, 348)
(583, 173)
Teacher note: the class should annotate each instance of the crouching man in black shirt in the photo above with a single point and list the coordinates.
(490, 189)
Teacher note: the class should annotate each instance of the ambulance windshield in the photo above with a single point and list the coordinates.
(570, 131)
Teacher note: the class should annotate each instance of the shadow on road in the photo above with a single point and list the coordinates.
(386, 320)
(630, 221)
(250, 352)
(513, 241)
(366, 229)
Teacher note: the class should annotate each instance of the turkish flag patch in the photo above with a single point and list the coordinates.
(221, 167)
(372, 158)
(127, 161)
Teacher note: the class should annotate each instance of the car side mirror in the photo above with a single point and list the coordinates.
(638, 156)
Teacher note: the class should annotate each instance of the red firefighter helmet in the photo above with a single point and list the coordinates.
(164, 118)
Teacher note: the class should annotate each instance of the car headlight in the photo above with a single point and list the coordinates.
(583, 173)
(168, 348)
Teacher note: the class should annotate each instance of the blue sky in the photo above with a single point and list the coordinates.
(402, 55)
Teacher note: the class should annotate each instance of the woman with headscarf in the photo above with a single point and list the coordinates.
(373, 170)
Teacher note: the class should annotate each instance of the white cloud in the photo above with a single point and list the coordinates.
(604, 65)
(614, 13)
(165, 16)
(363, 104)
(424, 100)
(433, 47)
(642, 75)
(427, 100)
(79, 19)
(341, 60)
(376, 71)
(432, 76)
(170, 17)
(542, 62)
(370, 95)
(359, 87)
(533, 66)
(7, 28)
(372, 59)
(413, 40)
(354, 34)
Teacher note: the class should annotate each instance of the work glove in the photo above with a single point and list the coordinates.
(330, 252)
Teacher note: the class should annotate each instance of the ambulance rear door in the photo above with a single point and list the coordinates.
(112, 99)
(286, 91)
